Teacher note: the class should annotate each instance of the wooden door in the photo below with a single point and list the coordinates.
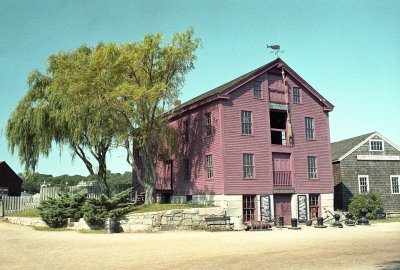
(281, 162)
(283, 207)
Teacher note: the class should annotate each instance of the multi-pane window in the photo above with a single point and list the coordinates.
(249, 207)
(363, 183)
(309, 122)
(313, 203)
(209, 166)
(312, 167)
(296, 95)
(186, 169)
(207, 123)
(376, 145)
(394, 182)
(186, 131)
(248, 165)
(257, 89)
(246, 122)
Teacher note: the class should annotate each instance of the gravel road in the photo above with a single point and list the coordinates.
(361, 247)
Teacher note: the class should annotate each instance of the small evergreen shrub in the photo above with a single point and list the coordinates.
(56, 211)
(97, 210)
(372, 201)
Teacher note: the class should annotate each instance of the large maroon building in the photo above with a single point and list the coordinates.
(10, 182)
(258, 145)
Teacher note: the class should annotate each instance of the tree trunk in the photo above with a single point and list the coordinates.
(102, 179)
(149, 192)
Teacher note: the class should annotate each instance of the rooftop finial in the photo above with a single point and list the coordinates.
(275, 49)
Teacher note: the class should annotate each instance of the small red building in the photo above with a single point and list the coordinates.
(10, 182)
(258, 145)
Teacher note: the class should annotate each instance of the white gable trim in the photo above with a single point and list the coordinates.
(363, 142)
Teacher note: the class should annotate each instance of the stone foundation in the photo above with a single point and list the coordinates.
(26, 221)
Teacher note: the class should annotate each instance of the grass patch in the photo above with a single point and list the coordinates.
(48, 229)
(93, 231)
(385, 220)
(163, 207)
(27, 213)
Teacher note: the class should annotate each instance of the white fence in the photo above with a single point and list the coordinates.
(13, 204)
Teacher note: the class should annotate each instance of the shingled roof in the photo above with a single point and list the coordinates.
(340, 148)
(231, 85)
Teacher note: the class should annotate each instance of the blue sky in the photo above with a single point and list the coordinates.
(349, 51)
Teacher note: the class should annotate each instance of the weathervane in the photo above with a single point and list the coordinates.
(275, 49)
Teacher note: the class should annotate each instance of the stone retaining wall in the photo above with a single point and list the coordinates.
(179, 219)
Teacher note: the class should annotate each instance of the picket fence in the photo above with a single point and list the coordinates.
(13, 204)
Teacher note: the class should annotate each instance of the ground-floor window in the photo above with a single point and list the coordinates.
(249, 207)
(394, 183)
(313, 202)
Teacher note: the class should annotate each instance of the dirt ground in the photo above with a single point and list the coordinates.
(360, 247)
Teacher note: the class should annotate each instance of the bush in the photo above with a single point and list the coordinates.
(97, 210)
(372, 201)
(56, 211)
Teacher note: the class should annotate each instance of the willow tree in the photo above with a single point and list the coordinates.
(154, 74)
(68, 106)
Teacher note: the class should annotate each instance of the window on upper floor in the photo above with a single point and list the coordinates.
(257, 89)
(209, 166)
(376, 145)
(207, 124)
(312, 167)
(309, 123)
(363, 183)
(394, 183)
(186, 169)
(296, 95)
(246, 122)
(186, 131)
(248, 165)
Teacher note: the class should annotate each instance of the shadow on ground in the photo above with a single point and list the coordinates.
(390, 265)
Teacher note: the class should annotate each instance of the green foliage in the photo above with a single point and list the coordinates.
(26, 213)
(97, 210)
(56, 211)
(372, 201)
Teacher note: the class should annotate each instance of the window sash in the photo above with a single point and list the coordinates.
(296, 95)
(249, 207)
(394, 183)
(363, 183)
(209, 166)
(186, 131)
(248, 165)
(376, 145)
(309, 122)
(207, 123)
(312, 167)
(246, 122)
(187, 169)
(257, 89)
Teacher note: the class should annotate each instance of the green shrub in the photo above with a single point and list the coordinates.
(372, 201)
(56, 211)
(97, 210)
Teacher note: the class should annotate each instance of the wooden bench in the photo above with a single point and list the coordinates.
(221, 221)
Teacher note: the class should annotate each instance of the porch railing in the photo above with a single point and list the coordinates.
(282, 179)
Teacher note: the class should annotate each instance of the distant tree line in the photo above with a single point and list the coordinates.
(32, 183)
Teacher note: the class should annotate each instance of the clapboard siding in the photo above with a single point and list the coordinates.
(379, 173)
(195, 150)
(258, 143)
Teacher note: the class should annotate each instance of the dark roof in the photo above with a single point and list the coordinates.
(220, 89)
(340, 148)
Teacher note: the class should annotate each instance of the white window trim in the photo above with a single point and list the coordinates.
(391, 184)
(359, 187)
(370, 144)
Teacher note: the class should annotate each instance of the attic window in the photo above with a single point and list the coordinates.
(375, 145)
(257, 89)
